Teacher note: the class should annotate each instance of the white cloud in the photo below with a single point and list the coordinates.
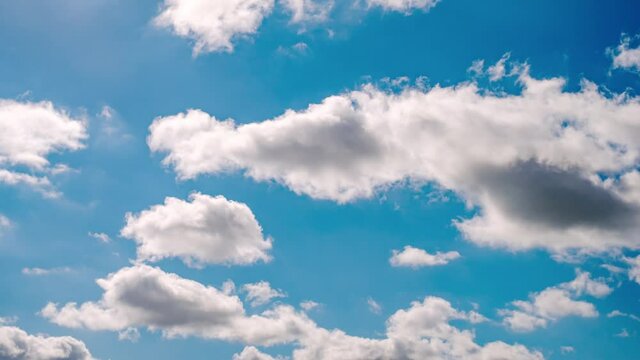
(16, 344)
(634, 268)
(622, 334)
(129, 334)
(100, 236)
(625, 56)
(554, 303)
(5, 223)
(564, 350)
(499, 70)
(545, 168)
(251, 353)
(8, 320)
(618, 313)
(261, 293)
(309, 305)
(214, 25)
(143, 296)
(374, 306)
(203, 230)
(404, 6)
(308, 11)
(416, 258)
(36, 271)
(29, 133)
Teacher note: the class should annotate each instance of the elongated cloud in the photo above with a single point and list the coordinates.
(405, 6)
(555, 303)
(16, 344)
(29, 133)
(203, 230)
(416, 258)
(543, 168)
(143, 296)
(214, 25)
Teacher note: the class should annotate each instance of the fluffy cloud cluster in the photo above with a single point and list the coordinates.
(16, 344)
(143, 296)
(405, 6)
(634, 268)
(29, 133)
(554, 303)
(415, 258)
(213, 24)
(625, 56)
(544, 168)
(203, 230)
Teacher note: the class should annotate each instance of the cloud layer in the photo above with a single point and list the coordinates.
(203, 230)
(143, 296)
(544, 168)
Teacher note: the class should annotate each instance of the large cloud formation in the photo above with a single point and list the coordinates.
(204, 230)
(544, 168)
(16, 344)
(29, 133)
(144, 296)
(213, 24)
(554, 303)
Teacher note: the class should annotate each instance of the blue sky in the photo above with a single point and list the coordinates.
(529, 184)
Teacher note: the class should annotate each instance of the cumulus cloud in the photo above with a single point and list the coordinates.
(543, 168)
(213, 25)
(17, 344)
(261, 293)
(203, 230)
(555, 303)
(416, 258)
(29, 133)
(404, 6)
(143, 296)
(309, 305)
(625, 55)
(307, 11)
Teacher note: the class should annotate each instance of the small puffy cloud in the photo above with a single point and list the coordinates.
(555, 303)
(5, 223)
(111, 130)
(307, 11)
(261, 293)
(498, 70)
(29, 133)
(374, 306)
(203, 230)
(564, 350)
(213, 25)
(102, 237)
(129, 334)
(622, 334)
(415, 258)
(143, 296)
(8, 320)
(16, 344)
(634, 268)
(542, 168)
(625, 55)
(251, 353)
(309, 305)
(36, 271)
(404, 6)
